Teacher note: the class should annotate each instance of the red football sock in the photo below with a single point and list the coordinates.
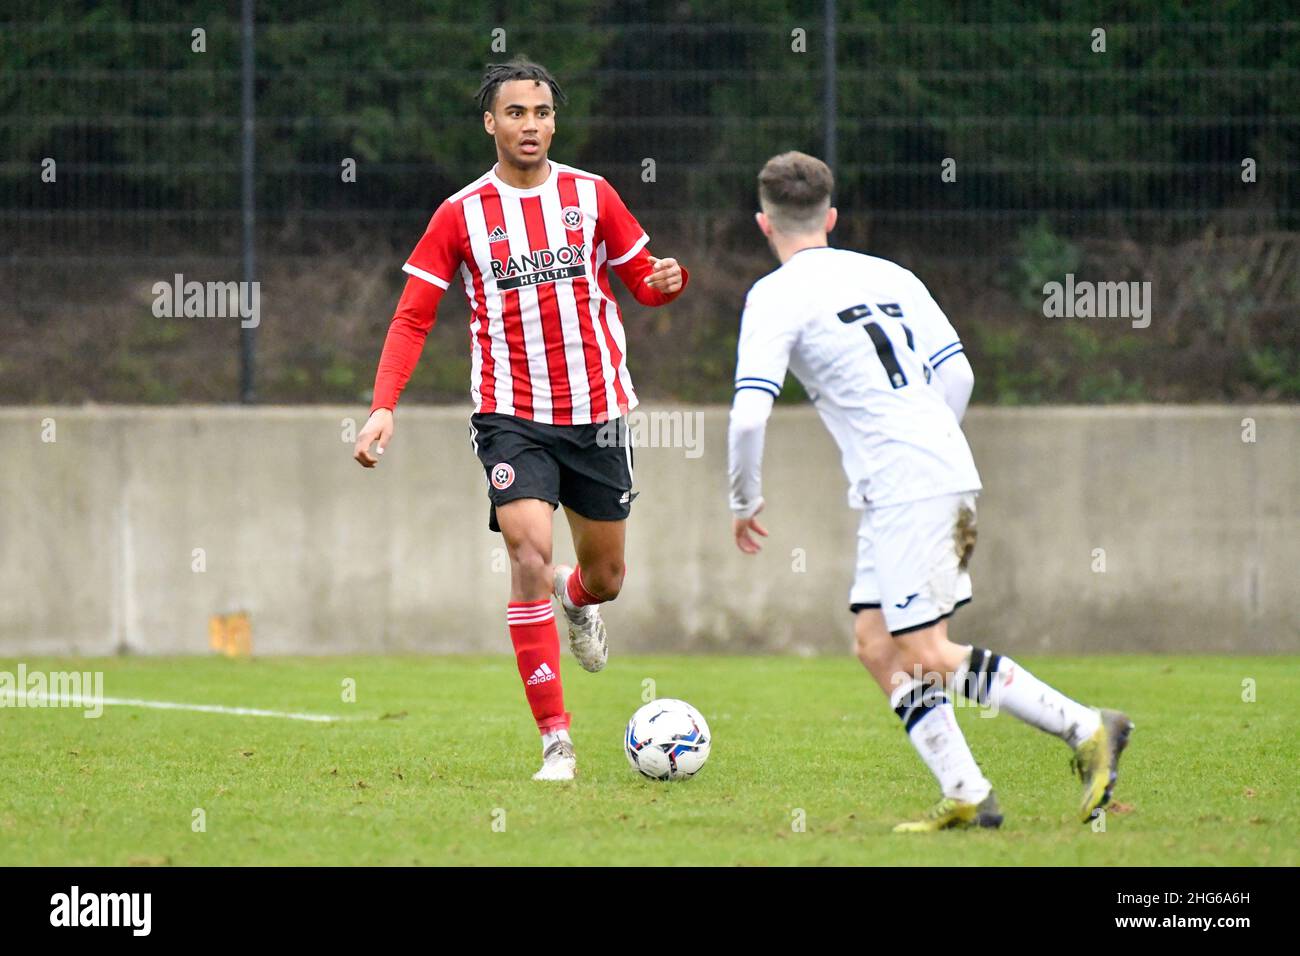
(579, 596)
(537, 652)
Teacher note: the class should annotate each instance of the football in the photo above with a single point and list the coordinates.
(667, 739)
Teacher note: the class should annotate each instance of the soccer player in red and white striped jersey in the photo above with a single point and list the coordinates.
(534, 241)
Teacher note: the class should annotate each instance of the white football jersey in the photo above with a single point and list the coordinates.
(863, 336)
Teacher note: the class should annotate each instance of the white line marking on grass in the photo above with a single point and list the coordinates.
(73, 700)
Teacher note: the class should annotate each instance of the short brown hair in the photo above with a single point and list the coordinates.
(794, 190)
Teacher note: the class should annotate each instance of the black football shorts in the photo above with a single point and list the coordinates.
(587, 468)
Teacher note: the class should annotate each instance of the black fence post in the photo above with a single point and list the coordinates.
(829, 106)
(247, 333)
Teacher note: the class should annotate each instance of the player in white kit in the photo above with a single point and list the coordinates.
(884, 368)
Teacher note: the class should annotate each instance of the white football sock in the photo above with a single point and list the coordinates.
(931, 725)
(999, 682)
(548, 739)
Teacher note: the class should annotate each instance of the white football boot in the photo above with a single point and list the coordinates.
(586, 629)
(558, 763)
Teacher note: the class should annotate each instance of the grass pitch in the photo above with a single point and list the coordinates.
(432, 766)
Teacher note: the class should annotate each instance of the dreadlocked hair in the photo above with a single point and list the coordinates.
(516, 69)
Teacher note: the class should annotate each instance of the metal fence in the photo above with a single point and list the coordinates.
(121, 131)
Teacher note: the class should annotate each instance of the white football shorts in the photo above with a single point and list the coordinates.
(912, 560)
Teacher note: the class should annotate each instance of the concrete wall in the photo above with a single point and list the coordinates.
(1200, 531)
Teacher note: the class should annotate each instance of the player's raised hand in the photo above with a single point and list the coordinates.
(379, 428)
(744, 529)
(665, 276)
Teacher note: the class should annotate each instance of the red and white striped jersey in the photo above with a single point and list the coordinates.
(546, 336)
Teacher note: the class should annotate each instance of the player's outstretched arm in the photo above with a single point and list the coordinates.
(746, 431)
(415, 315)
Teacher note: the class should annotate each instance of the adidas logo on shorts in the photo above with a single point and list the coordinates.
(541, 675)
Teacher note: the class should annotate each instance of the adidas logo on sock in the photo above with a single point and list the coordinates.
(541, 675)
(496, 235)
